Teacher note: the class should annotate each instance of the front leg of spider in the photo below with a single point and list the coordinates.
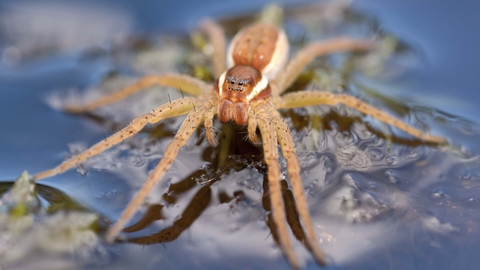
(193, 120)
(177, 107)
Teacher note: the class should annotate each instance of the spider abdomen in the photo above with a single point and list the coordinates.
(262, 46)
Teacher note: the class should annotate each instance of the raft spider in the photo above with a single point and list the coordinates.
(252, 76)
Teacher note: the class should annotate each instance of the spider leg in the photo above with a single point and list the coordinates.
(175, 108)
(286, 144)
(208, 123)
(185, 83)
(252, 127)
(309, 98)
(270, 149)
(193, 120)
(304, 57)
(217, 40)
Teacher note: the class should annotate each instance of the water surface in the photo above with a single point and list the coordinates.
(412, 206)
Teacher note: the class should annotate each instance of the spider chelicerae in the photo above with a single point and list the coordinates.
(252, 76)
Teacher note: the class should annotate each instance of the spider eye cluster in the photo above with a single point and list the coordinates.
(235, 84)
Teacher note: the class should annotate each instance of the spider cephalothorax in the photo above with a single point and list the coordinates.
(249, 92)
(237, 88)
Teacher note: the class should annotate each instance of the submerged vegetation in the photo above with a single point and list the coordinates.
(35, 226)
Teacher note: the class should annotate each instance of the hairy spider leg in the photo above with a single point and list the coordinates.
(252, 127)
(270, 149)
(310, 98)
(288, 150)
(185, 83)
(208, 123)
(176, 108)
(305, 56)
(194, 119)
(217, 40)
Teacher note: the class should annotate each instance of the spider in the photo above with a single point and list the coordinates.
(252, 76)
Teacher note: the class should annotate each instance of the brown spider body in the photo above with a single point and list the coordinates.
(256, 53)
(248, 93)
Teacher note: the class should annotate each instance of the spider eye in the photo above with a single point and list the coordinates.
(245, 81)
(240, 83)
(233, 80)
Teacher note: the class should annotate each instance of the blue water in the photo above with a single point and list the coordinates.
(431, 223)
